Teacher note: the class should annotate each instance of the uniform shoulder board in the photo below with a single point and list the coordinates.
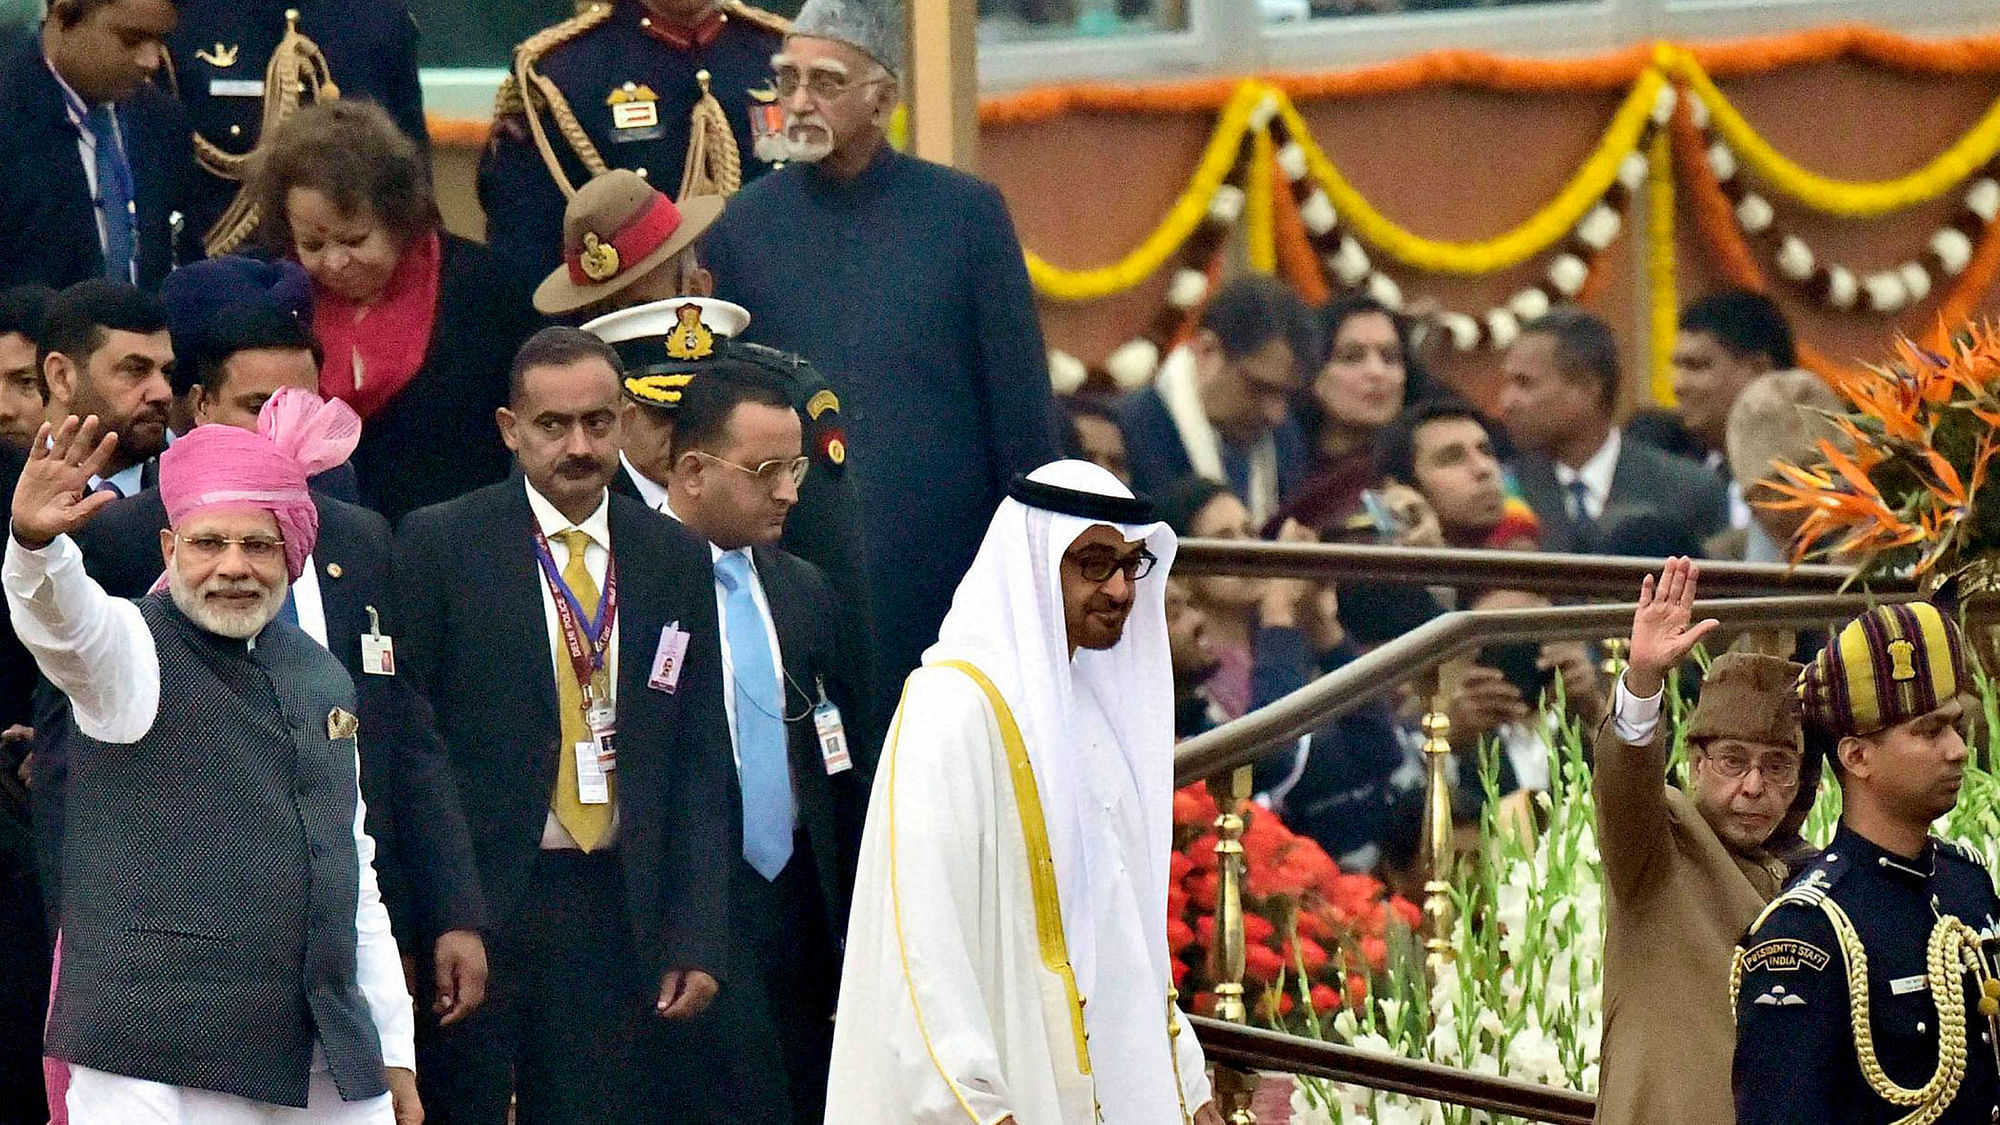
(758, 17)
(549, 38)
(1962, 850)
(507, 101)
(1810, 891)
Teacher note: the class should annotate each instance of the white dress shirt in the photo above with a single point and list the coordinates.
(654, 494)
(1596, 474)
(596, 560)
(129, 481)
(99, 651)
(1635, 720)
(86, 149)
(785, 696)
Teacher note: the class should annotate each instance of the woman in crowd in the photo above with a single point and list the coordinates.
(418, 325)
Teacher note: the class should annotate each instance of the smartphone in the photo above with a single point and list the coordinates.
(1387, 524)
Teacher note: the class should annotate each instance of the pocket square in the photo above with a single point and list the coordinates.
(341, 724)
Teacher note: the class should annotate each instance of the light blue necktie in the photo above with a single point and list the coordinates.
(763, 770)
(114, 194)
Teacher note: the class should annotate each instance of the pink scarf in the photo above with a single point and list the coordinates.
(391, 336)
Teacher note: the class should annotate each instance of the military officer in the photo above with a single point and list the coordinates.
(1866, 993)
(241, 66)
(661, 87)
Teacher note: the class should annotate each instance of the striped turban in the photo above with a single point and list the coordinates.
(1888, 666)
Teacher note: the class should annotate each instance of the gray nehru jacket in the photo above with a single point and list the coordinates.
(209, 936)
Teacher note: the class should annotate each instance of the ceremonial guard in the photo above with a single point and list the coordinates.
(243, 67)
(661, 87)
(1866, 992)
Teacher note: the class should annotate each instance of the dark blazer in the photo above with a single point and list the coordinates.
(1646, 482)
(423, 848)
(832, 808)
(370, 48)
(437, 439)
(1154, 452)
(475, 642)
(17, 668)
(48, 222)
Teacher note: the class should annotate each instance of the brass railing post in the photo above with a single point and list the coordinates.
(1617, 650)
(1227, 957)
(1437, 824)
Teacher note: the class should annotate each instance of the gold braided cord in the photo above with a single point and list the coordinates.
(297, 68)
(532, 82)
(757, 17)
(713, 165)
(1953, 947)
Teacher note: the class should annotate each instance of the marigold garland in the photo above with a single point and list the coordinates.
(1851, 199)
(1218, 158)
(1665, 311)
(1260, 242)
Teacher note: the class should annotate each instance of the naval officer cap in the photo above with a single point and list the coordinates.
(663, 345)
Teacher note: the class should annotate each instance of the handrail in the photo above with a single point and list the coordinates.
(1242, 741)
(1249, 1048)
(1616, 576)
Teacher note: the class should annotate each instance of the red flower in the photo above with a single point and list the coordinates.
(1177, 902)
(1178, 866)
(1202, 889)
(1201, 852)
(1180, 935)
(1258, 929)
(1203, 1003)
(1357, 989)
(1324, 999)
(1376, 951)
(1262, 963)
(1284, 1002)
(1308, 951)
(1194, 806)
(1407, 912)
(1204, 929)
(1315, 924)
(1180, 972)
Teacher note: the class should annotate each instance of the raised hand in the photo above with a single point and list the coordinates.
(1662, 632)
(53, 497)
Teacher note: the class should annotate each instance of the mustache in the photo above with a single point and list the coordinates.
(578, 467)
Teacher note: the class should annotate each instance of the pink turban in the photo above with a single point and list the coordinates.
(217, 467)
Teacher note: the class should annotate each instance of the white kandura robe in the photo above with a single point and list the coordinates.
(948, 1012)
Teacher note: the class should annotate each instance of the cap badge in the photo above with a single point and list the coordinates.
(1902, 664)
(690, 338)
(599, 258)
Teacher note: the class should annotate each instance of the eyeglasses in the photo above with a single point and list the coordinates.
(1096, 567)
(820, 85)
(256, 548)
(768, 473)
(1781, 770)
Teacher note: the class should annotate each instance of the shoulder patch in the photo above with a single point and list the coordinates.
(758, 17)
(1809, 891)
(1785, 955)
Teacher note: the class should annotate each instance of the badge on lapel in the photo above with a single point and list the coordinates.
(635, 113)
(341, 723)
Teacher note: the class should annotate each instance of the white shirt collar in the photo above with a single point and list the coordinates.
(651, 491)
(130, 480)
(715, 553)
(597, 524)
(1595, 473)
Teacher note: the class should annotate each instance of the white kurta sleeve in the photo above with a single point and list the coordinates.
(1635, 720)
(94, 647)
(1191, 1065)
(377, 965)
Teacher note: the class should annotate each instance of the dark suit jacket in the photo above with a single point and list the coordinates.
(17, 668)
(831, 808)
(475, 641)
(1154, 452)
(48, 222)
(1645, 483)
(423, 848)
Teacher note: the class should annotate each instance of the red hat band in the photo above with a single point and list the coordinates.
(596, 262)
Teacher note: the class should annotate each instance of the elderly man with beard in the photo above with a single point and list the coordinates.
(902, 282)
(225, 955)
(1687, 867)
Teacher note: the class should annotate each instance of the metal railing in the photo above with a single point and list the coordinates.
(1224, 755)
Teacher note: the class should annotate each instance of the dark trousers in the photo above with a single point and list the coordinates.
(760, 1053)
(24, 977)
(564, 1010)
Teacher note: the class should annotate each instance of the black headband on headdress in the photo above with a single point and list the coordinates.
(1083, 505)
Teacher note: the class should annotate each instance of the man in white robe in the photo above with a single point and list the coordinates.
(1007, 958)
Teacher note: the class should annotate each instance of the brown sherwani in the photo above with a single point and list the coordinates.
(1676, 900)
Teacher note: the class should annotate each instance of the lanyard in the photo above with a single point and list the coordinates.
(78, 112)
(577, 629)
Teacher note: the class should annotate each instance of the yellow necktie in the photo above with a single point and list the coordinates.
(587, 824)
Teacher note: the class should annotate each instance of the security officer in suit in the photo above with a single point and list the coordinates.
(658, 86)
(1866, 992)
(802, 786)
(243, 66)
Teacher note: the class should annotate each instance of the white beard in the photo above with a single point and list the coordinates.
(236, 624)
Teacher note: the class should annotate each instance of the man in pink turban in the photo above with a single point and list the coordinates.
(225, 953)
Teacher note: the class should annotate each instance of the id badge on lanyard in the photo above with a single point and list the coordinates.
(588, 644)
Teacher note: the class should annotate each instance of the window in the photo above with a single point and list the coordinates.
(1014, 21)
(1280, 11)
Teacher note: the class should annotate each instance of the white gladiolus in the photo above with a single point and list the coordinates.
(1632, 170)
(1385, 291)
(1663, 104)
(1795, 259)
(1983, 199)
(1187, 289)
(1722, 162)
(1841, 287)
(1227, 205)
(1262, 113)
(1464, 330)
(1698, 111)
(1568, 274)
(1916, 279)
(1953, 250)
(1599, 228)
(1350, 263)
(1754, 213)
(1529, 305)
(1133, 364)
(1317, 213)
(1067, 373)
(1886, 292)
(1502, 328)
(1292, 161)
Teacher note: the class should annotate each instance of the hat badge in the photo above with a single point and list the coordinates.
(599, 258)
(690, 338)
(1902, 663)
